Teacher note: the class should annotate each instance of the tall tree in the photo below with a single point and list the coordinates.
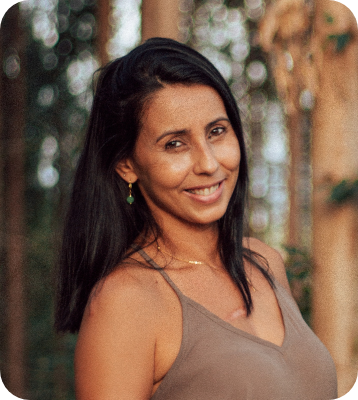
(285, 32)
(2, 213)
(13, 95)
(160, 18)
(103, 30)
(314, 48)
(334, 158)
(60, 62)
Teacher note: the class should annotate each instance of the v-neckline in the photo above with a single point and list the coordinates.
(242, 332)
(216, 318)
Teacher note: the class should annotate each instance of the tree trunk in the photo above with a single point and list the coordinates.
(334, 158)
(284, 32)
(103, 30)
(2, 209)
(328, 68)
(13, 85)
(160, 18)
(294, 124)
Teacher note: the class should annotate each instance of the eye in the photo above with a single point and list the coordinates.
(219, 130)
(173, 144)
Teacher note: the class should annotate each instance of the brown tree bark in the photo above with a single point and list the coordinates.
(334, 158)
(283, 36)
(2, 213)
(294, 125)
(103, 30)
(2, 175)
(13, 95)
(328, 66)
(160, 18)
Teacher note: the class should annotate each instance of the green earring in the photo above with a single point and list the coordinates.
(130, 198)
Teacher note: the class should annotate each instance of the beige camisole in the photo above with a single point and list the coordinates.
(217, 361)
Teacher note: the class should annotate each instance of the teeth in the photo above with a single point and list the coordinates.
(206, 191)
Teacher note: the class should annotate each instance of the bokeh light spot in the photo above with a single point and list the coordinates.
(46, 96)
(12, 66)
(49, 146)
(256, 72)
(47, 175)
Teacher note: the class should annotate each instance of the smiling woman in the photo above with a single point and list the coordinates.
(187, 156)
(169, 298)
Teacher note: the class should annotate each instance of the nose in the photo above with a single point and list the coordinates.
(205, 159)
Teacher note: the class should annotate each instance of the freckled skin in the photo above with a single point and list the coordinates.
(197, 153)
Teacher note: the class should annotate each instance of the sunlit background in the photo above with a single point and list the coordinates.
(225, 32)
(61, 55)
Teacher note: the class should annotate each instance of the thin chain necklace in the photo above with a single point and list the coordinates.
(198, 263)
(180, 259)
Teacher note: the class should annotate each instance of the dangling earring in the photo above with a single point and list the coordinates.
(130, 198)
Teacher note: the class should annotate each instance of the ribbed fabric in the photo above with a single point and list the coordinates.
(217, 361)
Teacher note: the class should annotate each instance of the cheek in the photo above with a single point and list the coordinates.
(164, 172)
(177, 166)
(231, 155)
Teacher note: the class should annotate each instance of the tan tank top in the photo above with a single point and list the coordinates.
(217, 361)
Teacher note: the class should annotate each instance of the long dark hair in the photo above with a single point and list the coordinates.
(100, 225)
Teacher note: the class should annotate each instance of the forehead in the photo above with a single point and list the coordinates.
(178, 106)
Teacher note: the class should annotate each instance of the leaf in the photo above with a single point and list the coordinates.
(344, 191)
(342, 41)
(329, 18)
(293, 250)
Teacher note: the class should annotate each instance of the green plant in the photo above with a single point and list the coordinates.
(341, 40)
(298, 270)
(344, 191)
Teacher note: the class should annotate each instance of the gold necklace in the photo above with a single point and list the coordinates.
(199, 263)
(180, 259)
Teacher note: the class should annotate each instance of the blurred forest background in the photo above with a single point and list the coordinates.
(293, 68)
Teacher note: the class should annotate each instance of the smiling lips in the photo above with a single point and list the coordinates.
(205, 191)
(206, 195)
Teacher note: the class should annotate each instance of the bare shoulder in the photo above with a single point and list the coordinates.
(129, 286)
(273, 257)
(115, 349)
(130, 296)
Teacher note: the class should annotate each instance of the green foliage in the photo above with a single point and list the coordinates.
(49, 357)
(234, 3)
(341, 41)
(344, 191)
(328, 18)
(298, 270)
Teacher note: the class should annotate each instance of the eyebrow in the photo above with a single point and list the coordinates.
(185, 131)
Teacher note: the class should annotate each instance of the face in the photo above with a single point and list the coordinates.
(186, 159)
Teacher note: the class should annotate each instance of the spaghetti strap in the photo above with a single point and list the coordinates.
(217, 357)
(160, 269)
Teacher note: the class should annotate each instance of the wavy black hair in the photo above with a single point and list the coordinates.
(100, 226)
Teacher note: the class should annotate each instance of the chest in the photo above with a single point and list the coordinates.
(218, 297)
(218, 360)
(218, 294)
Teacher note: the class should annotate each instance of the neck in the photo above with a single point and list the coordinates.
(190, 241)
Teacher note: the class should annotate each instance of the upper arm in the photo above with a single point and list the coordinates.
(274, 259)
(114, 356)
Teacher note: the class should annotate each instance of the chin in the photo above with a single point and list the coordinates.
(208, 217)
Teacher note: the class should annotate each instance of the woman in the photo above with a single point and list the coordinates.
(170, 300)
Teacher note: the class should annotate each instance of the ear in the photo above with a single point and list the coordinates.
(125, 170)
